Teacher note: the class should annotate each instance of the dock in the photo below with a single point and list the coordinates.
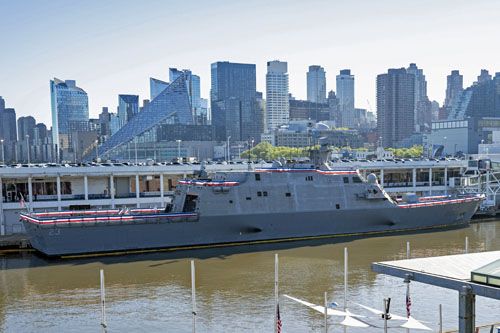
(14, 242)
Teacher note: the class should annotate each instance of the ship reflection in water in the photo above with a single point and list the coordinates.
(151, 293)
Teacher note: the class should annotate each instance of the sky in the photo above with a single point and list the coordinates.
(113, 47)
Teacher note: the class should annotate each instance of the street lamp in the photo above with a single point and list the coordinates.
(3, 152)
(228, 150)
(178, 150)
(96, 150)
(28, 147)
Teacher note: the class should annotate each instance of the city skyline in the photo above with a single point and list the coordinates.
(108, 55)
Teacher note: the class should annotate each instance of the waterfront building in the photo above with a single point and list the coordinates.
(156, 87)
(70, 112)
(316, 84)
(277, 99)
(345, 95)
(128, 107)
(233, 100)
(171, 106)
(395, 106)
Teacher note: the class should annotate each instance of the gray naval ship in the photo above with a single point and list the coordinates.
(285, 202)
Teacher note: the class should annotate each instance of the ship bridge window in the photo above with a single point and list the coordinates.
(265, 193)
(259, 194)
(288, 194)
(249, 198)
(190, 203)
(346, 180)
(309, 178)
(257, 176)
(356, 179)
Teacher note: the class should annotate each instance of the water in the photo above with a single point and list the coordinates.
(152, 293)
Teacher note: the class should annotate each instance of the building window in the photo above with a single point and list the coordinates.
(337, 206)
(346, 180)
(259, 194)
(257, 176)
(288, 194)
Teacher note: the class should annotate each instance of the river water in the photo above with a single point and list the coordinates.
(152, 293)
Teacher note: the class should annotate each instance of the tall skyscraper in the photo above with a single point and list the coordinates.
(104, 120)
(25, 137)
(25, 126)
(8, 131)
(128, 107)
(193, 85)
(156, 87)
(345, 95)
(333, 104)
(277, 99)
(316, 84)
(454, 87)
(233, 101)
(395, 106)
(422, 109)
(70, 112)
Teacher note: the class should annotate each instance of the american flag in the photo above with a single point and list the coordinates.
(408, 303)
(278, 319)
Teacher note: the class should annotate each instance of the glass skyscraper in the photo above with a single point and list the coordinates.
(316, 84)
(345, 95)
(156, 87)
(70, 111)
(171, 106)
(128, 107)
(193, 86)
(233, 99)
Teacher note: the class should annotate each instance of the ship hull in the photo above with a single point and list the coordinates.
(59, 240)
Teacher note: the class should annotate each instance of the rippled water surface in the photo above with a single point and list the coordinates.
(152, 293)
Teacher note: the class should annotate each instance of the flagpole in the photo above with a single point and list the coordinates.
(193, 294)
(408, 299)
(276, 295)
(440, 318)
(345, 281)
(103, 302)
(326, 313)
(385, 315)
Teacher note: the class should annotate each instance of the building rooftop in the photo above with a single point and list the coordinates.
(452, 271)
